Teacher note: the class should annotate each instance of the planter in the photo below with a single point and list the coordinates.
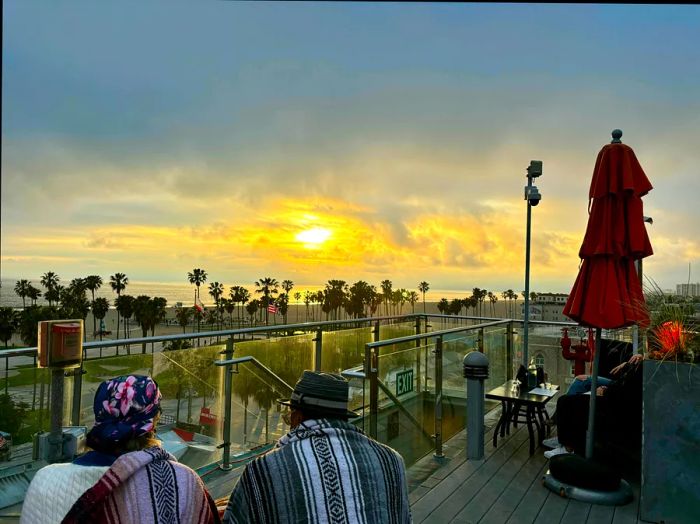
(670, 490)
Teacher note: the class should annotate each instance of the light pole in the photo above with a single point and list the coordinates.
(638, 340)
(533, 197)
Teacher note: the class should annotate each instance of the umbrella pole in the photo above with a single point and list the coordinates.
(594, 387)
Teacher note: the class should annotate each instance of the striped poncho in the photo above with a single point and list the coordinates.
(325, 470)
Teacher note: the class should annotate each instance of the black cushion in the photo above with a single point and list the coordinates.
(582, 473)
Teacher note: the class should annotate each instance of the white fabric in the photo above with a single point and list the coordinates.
(54, 489)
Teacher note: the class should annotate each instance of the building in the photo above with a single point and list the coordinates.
(548, 306)
(688, 290)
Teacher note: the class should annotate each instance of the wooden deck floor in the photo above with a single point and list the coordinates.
(504, 487)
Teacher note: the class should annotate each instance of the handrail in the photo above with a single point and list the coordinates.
(256, 362)
(97, 344)
(423, 336)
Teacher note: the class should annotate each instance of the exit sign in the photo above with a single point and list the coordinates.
(404, 382)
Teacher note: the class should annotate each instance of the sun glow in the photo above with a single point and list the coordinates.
(314, 236)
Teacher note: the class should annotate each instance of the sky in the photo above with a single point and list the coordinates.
(316, 141)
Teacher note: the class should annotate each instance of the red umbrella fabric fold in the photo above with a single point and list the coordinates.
(607, 293)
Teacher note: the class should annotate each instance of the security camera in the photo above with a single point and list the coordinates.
(534, 169)
(532, 195)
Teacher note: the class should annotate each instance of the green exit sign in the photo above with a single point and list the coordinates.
(404, 382)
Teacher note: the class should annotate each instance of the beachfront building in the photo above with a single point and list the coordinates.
(548, 307)
(688, 290)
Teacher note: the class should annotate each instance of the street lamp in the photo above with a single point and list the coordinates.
(533, 197)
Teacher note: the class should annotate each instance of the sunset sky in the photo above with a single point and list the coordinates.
(352, 141)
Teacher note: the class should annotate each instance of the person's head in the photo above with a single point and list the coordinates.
(318, 395)
(127, 409)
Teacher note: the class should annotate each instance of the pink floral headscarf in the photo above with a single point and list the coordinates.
(124, 408)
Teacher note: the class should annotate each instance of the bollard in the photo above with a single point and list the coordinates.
(476, 370)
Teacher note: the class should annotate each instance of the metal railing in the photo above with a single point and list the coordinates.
(371, 371)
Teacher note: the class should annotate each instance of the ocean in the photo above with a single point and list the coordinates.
(175, 292)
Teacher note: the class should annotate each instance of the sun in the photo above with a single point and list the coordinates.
(313, 237)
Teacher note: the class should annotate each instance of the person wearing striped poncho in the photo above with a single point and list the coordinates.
(325, 469)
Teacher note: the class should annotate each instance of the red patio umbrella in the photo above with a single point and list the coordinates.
(607, 293)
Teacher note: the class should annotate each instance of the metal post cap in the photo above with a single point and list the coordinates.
(476, 365)
(616, 135)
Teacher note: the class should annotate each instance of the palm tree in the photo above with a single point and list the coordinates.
(33, 294)
(127, 312)
(228, 306)
(9, 322)
(386, 291)
(492, 299)
(197, 277)
(287, 285)
(22, 289)
(423, 287)
(308, 299)
(183, 316)
(216, 290)
(252, 308)
(143, 314)
(50, 281)
(413, 298)
(100, 306)
(243, 298)
(297, 297)
(268, 288)
(118, 283)
(93, 283)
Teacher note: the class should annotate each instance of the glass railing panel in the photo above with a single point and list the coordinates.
(454, 397)
(344, 349)
(25, 400)
(495, 348)
(287, 357)
(256, 417)
(406, 400)
(396, 330)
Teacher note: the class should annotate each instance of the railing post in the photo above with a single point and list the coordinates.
(226, 462)
(509, 351)
(418, 366)
(476, 370)
(318, 348)
(438, 398)
(375, 332)
(77, 393)
(371, 373)
(480, 341)
(56, 434)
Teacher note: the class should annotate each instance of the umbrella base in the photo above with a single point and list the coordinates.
(619, 497)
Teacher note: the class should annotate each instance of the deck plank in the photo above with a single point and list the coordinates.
(506, 486)
(576, 512)
(503, 507)
(553, 508)
(491, 490)
(459, 497)
(601, 514)
(530, 505)
(629, 513)
(426, 504)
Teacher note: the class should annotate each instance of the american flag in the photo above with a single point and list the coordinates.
(272, 308)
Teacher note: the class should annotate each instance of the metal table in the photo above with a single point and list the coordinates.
(513, 407)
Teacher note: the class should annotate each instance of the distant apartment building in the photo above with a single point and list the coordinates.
(688, 290)
(548, 306)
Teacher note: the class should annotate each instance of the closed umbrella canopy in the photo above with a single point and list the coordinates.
(607, 293)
